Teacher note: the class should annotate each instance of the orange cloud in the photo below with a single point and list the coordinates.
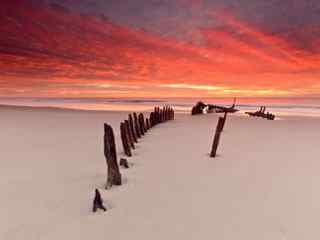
(48, 52)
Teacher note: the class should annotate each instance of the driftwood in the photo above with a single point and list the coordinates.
(125, 140)
(261, 113)
(133, 131)
(217, 137)
(198, 108)
(129, 134)
(98, 202)
(110, 153)
(222, 109)
(136, 125)
(124, 163)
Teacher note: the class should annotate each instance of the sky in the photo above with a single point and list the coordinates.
(159, 48)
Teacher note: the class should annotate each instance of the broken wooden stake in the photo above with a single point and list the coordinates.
(216, 137)
(98, 202)
(124, 163)
(110, 153)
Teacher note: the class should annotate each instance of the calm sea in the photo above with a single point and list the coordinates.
(280, 106)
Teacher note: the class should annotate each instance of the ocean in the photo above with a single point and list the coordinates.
(279, 106)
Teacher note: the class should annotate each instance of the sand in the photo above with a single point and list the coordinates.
(264, 184)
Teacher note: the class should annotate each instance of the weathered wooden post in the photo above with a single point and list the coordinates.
(172, 114)
(110, 153)
(144, 121)
(137, 125)
(129, 134)
(124, 139)
(141, 123)
(134, 134)
(224, 120)
(147, 123)
(166, 113)
(151, 119)
(160, 116)
(98, 202)
(156, 115)
(216, 138)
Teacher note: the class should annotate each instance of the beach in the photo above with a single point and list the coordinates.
(262, 185)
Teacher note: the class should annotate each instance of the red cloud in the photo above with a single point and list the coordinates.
(51, 46)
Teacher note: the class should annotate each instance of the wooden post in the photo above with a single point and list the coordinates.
(98, 202)
(156, 115)
(160, 116)
(165, 114)
(143, 120)
(110, 153)
(131, 125)
(224, 120)
(172, 114)
(136, 125)
(216, 138)
(124, 139)
(151, 119)
(129, 134)
(147, 123)
(141, 123)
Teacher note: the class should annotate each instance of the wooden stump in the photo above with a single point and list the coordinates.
(131, 125)
(124, 163)
(216, 137)
(137, 125)
(110, 153)
(124, 139)
(98, 202)
(129, 134)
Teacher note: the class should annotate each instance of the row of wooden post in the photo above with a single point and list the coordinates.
(216, 139)
(137, 125)
(131, 130)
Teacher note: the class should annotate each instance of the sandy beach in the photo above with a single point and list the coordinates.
(262, 185)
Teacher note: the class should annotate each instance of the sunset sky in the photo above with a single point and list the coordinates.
(159, 48)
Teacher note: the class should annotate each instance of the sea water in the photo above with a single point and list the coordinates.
(278, 106)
